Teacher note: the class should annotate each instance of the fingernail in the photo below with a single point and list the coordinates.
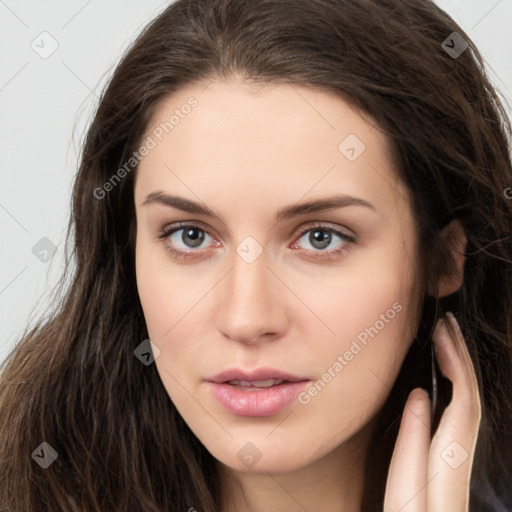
(452, 322)
(418, 394)
(442, 333)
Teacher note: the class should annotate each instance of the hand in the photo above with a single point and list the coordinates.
(427, 476)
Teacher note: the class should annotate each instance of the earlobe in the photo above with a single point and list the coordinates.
(454, 238)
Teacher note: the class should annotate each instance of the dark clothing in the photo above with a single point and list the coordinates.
(483, 498)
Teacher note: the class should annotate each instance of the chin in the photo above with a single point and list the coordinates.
(276, 465)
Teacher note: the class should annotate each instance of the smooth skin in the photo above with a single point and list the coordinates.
(246, 152)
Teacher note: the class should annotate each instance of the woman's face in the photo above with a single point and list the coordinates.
(262, 285)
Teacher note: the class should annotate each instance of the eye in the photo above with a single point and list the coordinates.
(184, 240)
(324, 240)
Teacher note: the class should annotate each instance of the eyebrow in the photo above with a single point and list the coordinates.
(317, 205)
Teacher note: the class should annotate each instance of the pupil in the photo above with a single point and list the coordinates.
(193, 241)
(321, 237)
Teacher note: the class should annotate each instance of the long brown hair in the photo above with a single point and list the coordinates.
(73, 380)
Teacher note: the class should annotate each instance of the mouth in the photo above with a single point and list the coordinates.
(261, 392)
(260, 377)
(256, 385)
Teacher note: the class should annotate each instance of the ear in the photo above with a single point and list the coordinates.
(454, 239)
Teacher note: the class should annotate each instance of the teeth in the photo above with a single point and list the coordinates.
(256, 383)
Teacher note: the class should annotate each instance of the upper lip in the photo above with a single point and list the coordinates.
(254, 375)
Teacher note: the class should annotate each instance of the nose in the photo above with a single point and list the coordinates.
(251, 302)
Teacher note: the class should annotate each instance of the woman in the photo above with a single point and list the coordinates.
(242, 153)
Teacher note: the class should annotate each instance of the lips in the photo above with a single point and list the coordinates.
(261, 392)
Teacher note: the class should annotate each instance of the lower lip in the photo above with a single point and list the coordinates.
(262, 402)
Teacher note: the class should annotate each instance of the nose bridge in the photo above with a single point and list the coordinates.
(250, 302)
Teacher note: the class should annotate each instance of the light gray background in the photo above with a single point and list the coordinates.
(46, 104)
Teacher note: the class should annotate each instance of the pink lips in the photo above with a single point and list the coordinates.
(246, 399)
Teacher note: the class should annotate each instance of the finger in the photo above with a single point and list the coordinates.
(453, 446)
(406, 486)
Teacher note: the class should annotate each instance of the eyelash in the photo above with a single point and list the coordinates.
(183, 255)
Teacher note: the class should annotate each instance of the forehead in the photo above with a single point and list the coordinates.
(266, 138)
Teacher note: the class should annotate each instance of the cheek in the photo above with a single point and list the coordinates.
(371, 310)
(149, 287)
(370, 324)
(352, 298)
(166, 297)
(356, 369)
(175, 302)
(374, 312)
(165, 292)
(158, 297)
